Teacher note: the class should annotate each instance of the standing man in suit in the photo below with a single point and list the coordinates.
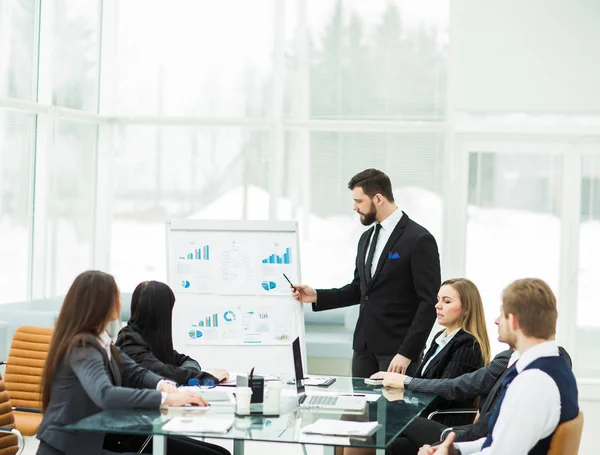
(396, 280)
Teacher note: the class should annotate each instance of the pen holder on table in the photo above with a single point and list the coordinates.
(256, 383)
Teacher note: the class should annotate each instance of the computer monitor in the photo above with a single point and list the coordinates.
(298, 365)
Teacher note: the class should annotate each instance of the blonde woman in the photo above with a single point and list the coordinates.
(462, 347)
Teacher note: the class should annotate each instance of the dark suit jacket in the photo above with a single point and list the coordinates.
(461, 355)
(467, 386)
(86, 383)
(397, 306)
(181, 371)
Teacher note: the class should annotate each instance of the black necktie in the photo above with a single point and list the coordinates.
(372, 252)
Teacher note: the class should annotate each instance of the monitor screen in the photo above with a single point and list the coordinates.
(298, 365)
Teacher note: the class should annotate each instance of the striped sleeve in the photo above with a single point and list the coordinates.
(466, 386)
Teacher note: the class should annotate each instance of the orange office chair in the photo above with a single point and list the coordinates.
(23, 376)
(567, 437)
(11, 440)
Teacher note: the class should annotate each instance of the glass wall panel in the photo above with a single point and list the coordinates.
(370, 60)
(513, 224)
(587, 324)
(71, 186)
(17, 48)
(16, 148)
(71, 29)
(181, 172)
(195, 57)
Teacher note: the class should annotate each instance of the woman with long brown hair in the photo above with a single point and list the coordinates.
(85, 374)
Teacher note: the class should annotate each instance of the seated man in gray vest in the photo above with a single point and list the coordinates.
(539, 391)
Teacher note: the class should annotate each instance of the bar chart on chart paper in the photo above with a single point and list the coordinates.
(210, 321)
(277, 257)
(285, 258)
(199, 254)
(193, 270)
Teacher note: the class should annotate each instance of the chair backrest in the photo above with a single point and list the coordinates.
(567, 437)
(9, 444)
(23, 375)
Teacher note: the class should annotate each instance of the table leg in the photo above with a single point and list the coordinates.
(382, 420)
(238, 447)
(159, 444)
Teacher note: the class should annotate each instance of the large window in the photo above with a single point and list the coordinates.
(588, 327)
(195, 57)
(69, 53)
(180, 172)
(70, 177)
(16, 149)
(17, 48)
(513, 224)
(377, 59)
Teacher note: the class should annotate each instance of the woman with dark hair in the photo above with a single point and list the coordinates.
(85, 373)
(147, 338)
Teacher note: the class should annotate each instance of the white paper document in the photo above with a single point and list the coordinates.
(204, 424)
(341, 428)
(212, 395)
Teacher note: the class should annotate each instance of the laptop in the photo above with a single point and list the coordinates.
(325, 402)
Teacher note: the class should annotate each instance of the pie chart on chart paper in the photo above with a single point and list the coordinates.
(268, 285)
(195, 334)
(185, 284)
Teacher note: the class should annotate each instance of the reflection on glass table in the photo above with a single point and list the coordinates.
(394, 410)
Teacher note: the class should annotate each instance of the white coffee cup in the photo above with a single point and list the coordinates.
(273, 395)
(242, 397)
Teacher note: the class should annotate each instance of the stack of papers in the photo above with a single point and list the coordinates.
(204, 424)
(318, 381)
(341, 428)
(212, 395)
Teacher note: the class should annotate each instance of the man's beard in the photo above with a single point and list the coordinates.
(368, 218)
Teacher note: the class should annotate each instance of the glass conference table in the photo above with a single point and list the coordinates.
(393, 410)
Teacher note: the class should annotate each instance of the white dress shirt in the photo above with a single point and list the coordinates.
(105, 340)
(387, 226)
(441, 341)
(530, 410)
(516, 355)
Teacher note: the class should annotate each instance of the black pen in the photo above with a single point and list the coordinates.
(288, 280)
(251, 374)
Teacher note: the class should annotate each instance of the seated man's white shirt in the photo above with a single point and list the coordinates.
(530, 410)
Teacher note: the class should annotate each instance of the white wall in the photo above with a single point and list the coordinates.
(533, 56)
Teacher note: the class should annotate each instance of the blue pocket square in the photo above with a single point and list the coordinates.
(393, 255)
